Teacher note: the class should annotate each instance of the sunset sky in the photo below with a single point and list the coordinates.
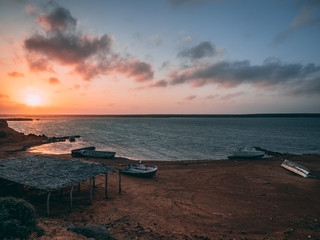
(160, 56)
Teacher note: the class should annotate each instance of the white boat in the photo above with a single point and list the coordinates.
(247, 152)
(296, 168)
(96, 154)
(139, 170)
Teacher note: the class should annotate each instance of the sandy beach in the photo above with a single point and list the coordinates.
(225, 199)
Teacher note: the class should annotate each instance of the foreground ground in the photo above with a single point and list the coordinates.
(248, 199)
(187, 200)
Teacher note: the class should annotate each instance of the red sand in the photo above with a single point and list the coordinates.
(248, 199)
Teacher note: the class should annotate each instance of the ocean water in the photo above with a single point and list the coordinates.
(177, 138)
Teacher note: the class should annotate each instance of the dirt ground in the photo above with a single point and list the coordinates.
(247, 199)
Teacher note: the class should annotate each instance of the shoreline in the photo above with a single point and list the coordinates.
(188, 199)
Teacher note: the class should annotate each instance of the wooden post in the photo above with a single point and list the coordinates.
(94, 181)
(106, 187)
(19, 190)
(119, 181)
(48, 199)
(90, 190)
(71, 190)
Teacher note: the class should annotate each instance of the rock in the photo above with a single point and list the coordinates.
(3, 123)
(92, 231)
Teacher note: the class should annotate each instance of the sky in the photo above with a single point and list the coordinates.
(159, 57)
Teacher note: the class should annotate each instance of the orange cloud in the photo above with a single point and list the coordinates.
(15, 74)
(54, 80)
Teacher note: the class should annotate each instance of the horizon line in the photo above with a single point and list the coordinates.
(171, 115)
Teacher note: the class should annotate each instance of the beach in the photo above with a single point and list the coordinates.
(225, 199)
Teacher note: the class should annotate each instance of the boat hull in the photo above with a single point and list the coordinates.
(140, 171)
(96, 154)
(247, 153)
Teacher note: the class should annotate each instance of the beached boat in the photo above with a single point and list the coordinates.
(139, 170)
(296, 168)
(96, 154)
(247, 152)
(75, 152)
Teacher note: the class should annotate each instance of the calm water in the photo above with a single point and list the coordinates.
(177, 138)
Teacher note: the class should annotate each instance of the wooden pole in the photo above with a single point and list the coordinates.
(90, 190)
(48, 199)
(119, 181)
(19, 188)
(106, 187)
(71, 190)
(94, 181)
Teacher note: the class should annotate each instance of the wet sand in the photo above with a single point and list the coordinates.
(227, 199)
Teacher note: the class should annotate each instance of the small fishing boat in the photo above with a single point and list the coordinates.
(296, 168)
(96, 154)
(247, 152)
(139, 170)
(75, 152)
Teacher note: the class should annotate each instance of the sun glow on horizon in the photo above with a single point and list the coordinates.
(33, 100)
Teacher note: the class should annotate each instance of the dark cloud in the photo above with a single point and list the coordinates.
(90, 56)
(230, 74)
(311, 87)
(309, 15)
(68, 49)
(136, 69)
(203, 49)
(15, 74)
(59, 20)
(54, 81)
(141, 71)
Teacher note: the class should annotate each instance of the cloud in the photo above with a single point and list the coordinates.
(68, 49)
(132, 68)
(191, 97)
(31, 10)
(203, 49)
(232, 74)
(159, 84)
(141, 71)
(39, 65)
(15, 74)
(88, 55)
(54, 81)
(311, 87)
(4, 95)
(309, 15)
(230, 96)
(59, 20)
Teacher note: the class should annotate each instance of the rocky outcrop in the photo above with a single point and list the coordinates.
(12, 141)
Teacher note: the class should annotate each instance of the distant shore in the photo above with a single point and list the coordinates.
(13, 117)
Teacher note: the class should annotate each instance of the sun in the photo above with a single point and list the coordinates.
(33, 100)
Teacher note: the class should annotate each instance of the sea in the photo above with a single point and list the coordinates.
(176, 138)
